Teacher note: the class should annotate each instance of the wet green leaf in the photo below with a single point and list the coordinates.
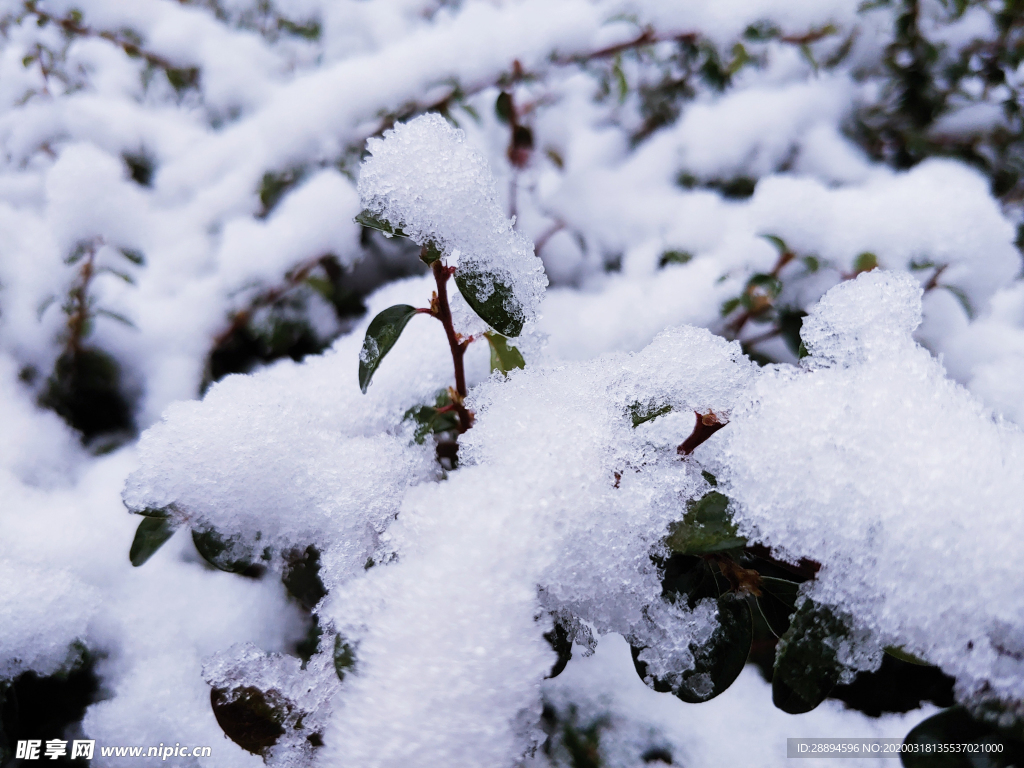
(494, 301)
(717, 663)
(806, 666)
(381, 336)
(504, 357)
(431, 420)
(251, 718)
(225, 554)
(706, 527)
(640, 413)
(372, 221)
(152, 533)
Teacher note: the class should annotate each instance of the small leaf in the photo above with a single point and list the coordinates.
(503, 107)
(806, 666)
(115, 316)
(134, 256)
(381, 336)
(706, 527)
(674, 257)
(372, 221)
(504, 357)
(251, 718)
(717, 663)
(640, 413)
(865, 262)
(955, 727)
(225, 554)
(897, 652)
(430, 254)
(812, 264)
(778, 242)
(494, 301)
(152, 533)
(344, 657)
(729, 305)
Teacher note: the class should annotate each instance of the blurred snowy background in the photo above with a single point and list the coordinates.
(177, 203)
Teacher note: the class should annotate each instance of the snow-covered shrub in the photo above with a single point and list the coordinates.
(726, 378)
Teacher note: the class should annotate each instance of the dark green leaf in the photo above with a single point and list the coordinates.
(812, 263)
(372, 221)
(768, 284)
(429, 254)
(251, 718)
(225, 554)
(494, 301)
(806, 666)
(151, 534)
(344, 657)
(134, 256)
(729, 305)
(431, 420)
(711, 479)
(183, 77)
(717, 663)
(706, 527)
(503, 107)
(674, 257)
(381, 336)
(955, 727)
(504, 357)
(776, 241)
(301, 576)
(639, 413)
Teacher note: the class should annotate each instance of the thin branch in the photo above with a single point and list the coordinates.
(442, 311)
(707, 424)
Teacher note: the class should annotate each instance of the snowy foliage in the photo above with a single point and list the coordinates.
(728, 376)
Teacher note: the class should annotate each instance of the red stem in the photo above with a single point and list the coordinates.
(707, 424)
(443, 312)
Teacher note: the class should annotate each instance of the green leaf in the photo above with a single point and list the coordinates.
(494, 301)
(674, 257)
(251, 718)
(372, 221)
(344, 657)
(778, 242)
(640, 413)
(865, 262)
(381, 336)
(430, 254)
(225, 554)
(729, 305)
(806, 666)
(955, 726)
(706, 527)
(431, 419)
(717, 663)
(301, 576)
(504, 358)
(503, 107)
(134, 256)
(151, 534)
(897, 652)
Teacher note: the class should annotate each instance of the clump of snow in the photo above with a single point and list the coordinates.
(424, 178)
(897, 481)
(556, 510)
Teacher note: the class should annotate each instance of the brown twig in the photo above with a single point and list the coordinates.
(440, 309)
(707, 424)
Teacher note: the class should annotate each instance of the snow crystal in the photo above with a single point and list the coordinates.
(425, 179)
